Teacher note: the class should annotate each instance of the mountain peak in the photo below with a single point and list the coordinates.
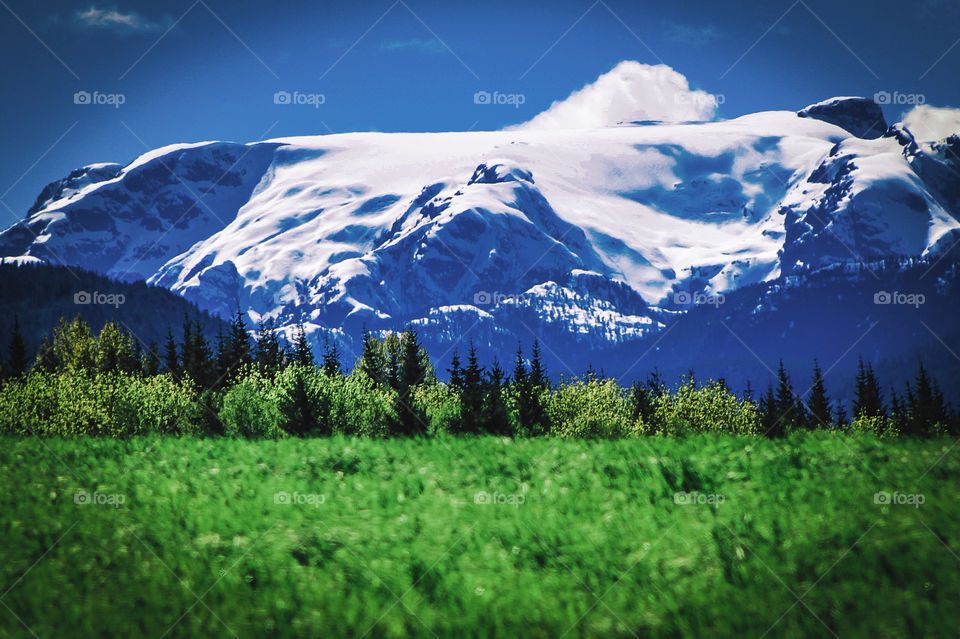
(861, 117)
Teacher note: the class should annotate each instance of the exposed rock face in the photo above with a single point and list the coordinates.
(860, 116)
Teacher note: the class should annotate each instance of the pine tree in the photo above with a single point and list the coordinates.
(150, 360)
(456, 372)
(269, 351)
(747, 395)
(495, 418)
(471, 396)
(641, 404)
(237, 352)
(868, 401)
(301, 413)
(196, 359)
(655, 382)
(819, 402)
(527, 388)
(786, 404)
(372, 361)
(925, 405)
(538, 373)
(413, 367)
(391, 346)
(412, 370)
(114, 351)
(17, 351)
(770, 420)
(302, 353)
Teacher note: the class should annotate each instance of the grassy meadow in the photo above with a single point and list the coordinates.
(707, 535)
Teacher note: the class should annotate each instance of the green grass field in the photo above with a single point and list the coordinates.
(708, 536)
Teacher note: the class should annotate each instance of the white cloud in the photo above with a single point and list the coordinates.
(115, 20)
(928, 123)
(630, 91)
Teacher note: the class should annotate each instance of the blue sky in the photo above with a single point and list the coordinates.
(195, 70)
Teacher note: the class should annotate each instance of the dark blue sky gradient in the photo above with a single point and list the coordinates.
(214, 74)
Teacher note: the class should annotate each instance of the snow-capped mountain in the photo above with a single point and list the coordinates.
(601, 235)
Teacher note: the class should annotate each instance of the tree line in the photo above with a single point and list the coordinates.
(110, 384)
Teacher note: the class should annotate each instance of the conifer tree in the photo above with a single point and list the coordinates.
(269, 351)
(819, 402)
(150, 360)
(372, 361)
(17, 351)
(495, 418)
(456, 372)
(925, 405)
(302, 353)
(786, 404)
(868, 401)
(471, 395)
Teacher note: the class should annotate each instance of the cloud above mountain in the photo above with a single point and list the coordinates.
(630, 91)
(932, 123)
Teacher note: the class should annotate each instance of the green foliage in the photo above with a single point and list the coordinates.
(879, 425)
(108, 404)
(708, 408)
(591, 409)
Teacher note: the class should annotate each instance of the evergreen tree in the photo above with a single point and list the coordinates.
(655, 382)
(114, 351)
(868, 401)
(471, 395)
(495, 418)
(17, 352)
(925, 405)
(303, 354)
(331, 357)
(538, 373)
(412, 370)
(841, 416)
(269, 350)
(456, 372)
(898, 411)
(527, 389)
(150, 361)
(747, 395)
(769, 417)
(237, 352)
(391, 346)
(641, 403)
(819, 402)
(786, 404)
(302, 415)
(372, 360)
(196, 357)
(413, 361)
